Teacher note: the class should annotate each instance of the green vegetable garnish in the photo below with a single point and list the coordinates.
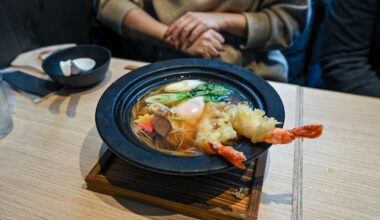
(168, 98)
(212, 91)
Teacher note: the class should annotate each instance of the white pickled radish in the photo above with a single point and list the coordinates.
(84, 64)
(65, 67)
(183, 86)
(74, 67)
(190, 110)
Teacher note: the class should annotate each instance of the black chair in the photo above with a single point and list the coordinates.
(30, 24)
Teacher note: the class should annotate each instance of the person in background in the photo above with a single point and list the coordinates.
(351, 55)
(249, 33)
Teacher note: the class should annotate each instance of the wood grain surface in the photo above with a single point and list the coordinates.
(54, 144)
(277, 195)
(342, 169)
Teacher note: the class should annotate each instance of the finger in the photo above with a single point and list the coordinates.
(187, 30)
(179, 28)
(173, 25)
(191, 50)
(184, 45)
(187, 44)
(208, 50)
(202, 52)
(216, 44)
(198, 30)
(218, 36)
(206, 55)
(169, 30)
(212, 51)
(177, 44)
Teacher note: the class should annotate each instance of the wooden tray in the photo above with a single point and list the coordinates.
(213, 196)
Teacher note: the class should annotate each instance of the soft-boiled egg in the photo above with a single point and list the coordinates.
(190, 110)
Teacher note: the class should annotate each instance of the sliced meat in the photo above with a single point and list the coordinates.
(162, 125)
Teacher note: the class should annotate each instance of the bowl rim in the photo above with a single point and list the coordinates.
(56, 53)
(113, 137)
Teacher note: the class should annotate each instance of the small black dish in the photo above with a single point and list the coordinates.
(114, 109)
(101, 55)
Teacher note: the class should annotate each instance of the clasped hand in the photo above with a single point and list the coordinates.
(197, 33)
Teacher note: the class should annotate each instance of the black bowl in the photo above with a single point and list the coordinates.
(101, 55)
(114, 108)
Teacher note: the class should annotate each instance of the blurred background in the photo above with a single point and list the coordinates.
(27, 25)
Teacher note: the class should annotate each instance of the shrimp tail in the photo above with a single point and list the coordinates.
(283, 136)
(227, 152)
(308, 131)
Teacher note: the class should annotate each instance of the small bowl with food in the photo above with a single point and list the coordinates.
(79, 66)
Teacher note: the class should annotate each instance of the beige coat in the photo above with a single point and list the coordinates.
(272, 25)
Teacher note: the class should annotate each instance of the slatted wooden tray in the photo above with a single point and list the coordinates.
(213, 196)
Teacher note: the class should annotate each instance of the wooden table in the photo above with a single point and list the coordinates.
(54, 144)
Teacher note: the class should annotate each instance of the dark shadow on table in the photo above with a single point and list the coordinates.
(74, 95)
(283, 198)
